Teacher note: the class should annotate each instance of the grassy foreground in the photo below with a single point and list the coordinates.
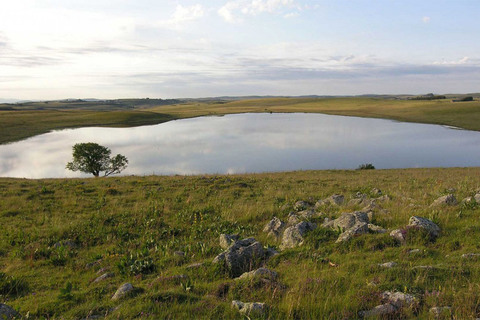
(133, 226)
(19, 123)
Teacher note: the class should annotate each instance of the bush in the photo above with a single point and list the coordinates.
(366, 166)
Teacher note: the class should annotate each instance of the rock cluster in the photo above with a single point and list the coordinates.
(392, 302)
(249, 308)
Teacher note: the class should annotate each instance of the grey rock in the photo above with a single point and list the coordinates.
(301, 205)
(383, 198)
(477, 198)
(274, 227)
(227, 239)
(438, 311)
(249, 308)
(270, 252)
(335, 199)
(376, 192)
(448, 200)
(414, 251)
(470, 255)
(468, 200)
(426, 224)
(376, 229)
(398, 299)
(399, 235)
(263, 273)
(358, 229)
(293, 236)
(123, 291)
(242, 256)
(388, 265)
(104, 276)
(378, 311)
(348, 220)
(307, 214)
(7, 312)
(293, 219)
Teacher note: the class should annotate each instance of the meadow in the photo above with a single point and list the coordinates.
(23, 121)
(161, 234)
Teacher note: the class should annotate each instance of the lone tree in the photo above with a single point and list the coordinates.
(93, 158)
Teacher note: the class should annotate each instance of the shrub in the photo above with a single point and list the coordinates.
(366, 166)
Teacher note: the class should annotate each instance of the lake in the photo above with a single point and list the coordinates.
(251, 143)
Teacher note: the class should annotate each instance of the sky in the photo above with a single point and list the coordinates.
(57, 49)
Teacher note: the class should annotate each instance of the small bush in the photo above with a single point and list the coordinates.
(366, 166)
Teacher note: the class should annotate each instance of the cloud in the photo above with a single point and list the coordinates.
(426, 19)
(183, 14)
(464, 60)
(231, 11)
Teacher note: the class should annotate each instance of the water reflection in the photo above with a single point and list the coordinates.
(250, 143)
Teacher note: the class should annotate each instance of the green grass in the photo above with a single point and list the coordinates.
(135, 225)
(20, 124)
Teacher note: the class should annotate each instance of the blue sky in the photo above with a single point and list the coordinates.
(52, 49)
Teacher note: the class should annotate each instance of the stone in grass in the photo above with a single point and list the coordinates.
(470, 255)
(356, 230)
(399, 234)
(301, 205)
(439, 311)
(376, 229)
(274, 227)
(249, 308)
(448, 200)
(104, 276)
(378, 311)
(227, 239)
(477, 198)
(398, 299)
(425, 224)
(388, 265)
(242, 256)
(293, 236)
(124, 290)
(7, 312)
(262, 273)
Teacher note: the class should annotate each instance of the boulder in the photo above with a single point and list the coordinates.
(242, 256)
(227, 239)
(448, 200)
(7, 312)
(249, 308)
(301, 205)
(424, 223)
(358, 229)
(307, 214)
(378, 311)
(293, 236)
(123, 291)
(262, 273)
(398, 299)
(335, 199)
(388, 265)
(274, 227)
(376, 229)
(399, 234)
(104, 276)
(348, 220)
(477, 198)
(293, 219)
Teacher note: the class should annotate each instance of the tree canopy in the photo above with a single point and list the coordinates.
(93, 158)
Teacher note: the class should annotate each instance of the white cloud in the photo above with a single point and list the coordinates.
(464, 60)
(232, 9)
(183, 14)
(426, 19)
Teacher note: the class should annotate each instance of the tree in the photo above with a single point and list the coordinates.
(93, 158)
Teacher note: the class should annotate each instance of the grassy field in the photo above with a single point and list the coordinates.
(20, 124)
(133, 226)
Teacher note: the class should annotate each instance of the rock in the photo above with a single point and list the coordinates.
(378, 311)
(357, 229)
(249, 308)
(414, 251)
(274, 228)
(376, 192)
(270, 252)
(195, 265)
(376, 229)
(383, 198)
(348, 220)
(438, 311)
(388, 265)
(93, 264)
(470, 255)
(398, 299)
(123, 291)
(242, 256)
(360, 195)
(399, 234)
(448, 200)
(104, 276)
(263, 273)
(477, 198)
(301, 205)
(293, 219)
(293, 236)
(468, 200)
(7, 312)
(335, 199)
(227, 239)
(426, 224)
(307, 214)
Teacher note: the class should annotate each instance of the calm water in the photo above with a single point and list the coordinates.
(251, 143)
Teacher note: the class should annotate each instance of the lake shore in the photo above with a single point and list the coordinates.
(20, 124)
